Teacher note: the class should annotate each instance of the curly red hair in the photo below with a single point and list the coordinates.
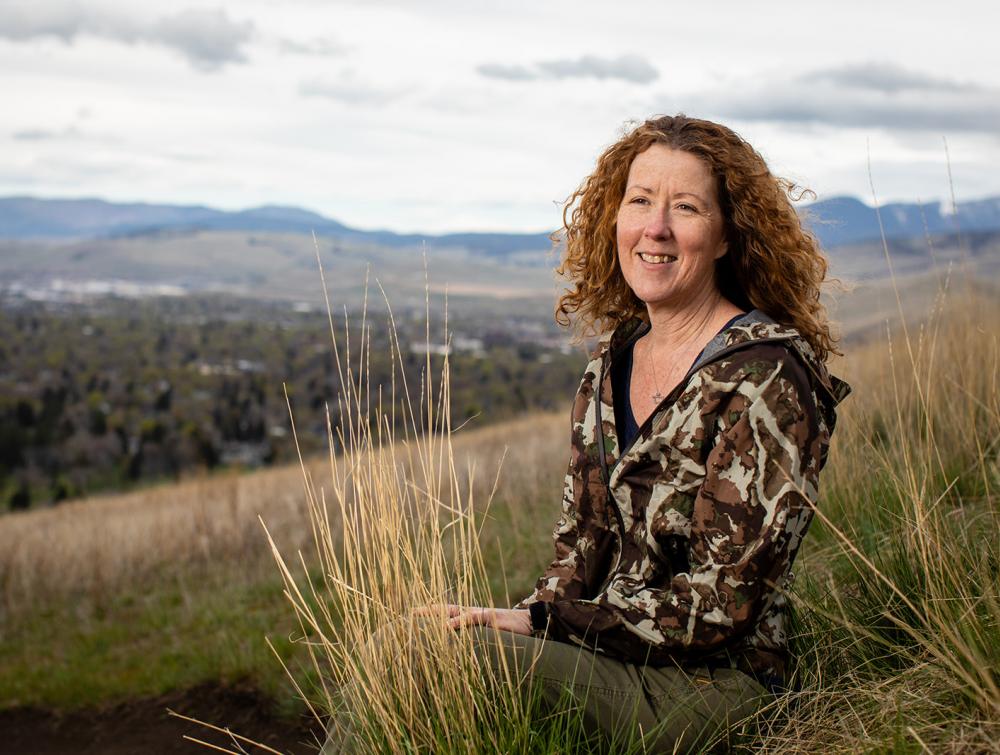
(773, 263)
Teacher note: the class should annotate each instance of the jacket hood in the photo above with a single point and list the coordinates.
(752, 328)
(756, 326)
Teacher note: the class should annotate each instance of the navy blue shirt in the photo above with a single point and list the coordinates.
(621, 382)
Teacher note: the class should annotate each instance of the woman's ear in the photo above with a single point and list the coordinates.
(723, 249)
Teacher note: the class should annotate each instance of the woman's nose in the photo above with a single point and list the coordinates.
(657, 226)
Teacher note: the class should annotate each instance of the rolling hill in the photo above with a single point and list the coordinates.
(837, 221)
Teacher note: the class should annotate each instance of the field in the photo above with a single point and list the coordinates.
(140, 595)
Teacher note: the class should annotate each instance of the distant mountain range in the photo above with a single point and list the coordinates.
(26, 218)
(845, 220)
(838, 221)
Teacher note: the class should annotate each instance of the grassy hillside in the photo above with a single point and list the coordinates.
(899, 587)
(135, 594)
(281, 266)
(897, 596)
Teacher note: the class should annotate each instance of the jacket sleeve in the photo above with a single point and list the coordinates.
(580, 552)
(565, 576)
(748, 518)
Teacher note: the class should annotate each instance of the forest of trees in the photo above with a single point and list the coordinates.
(116, 392)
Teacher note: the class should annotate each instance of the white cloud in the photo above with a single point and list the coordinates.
(320, 46)
(207, 37)
(881, 76)
(42, 134)
(351, 89)
(631, 68)
(306, 121)
(627, 67)
(856, 96)
(507, 72)
(65, 20)
(68, 134)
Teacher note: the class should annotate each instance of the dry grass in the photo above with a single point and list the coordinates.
(898, 593)
(98, 546)
(398, 532)
(899, 602)
(107, 544)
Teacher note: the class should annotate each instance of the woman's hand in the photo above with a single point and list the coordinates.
(516, 620)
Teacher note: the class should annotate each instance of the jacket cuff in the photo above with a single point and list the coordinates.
(539, 612)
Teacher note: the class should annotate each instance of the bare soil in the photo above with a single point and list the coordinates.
(144, 726)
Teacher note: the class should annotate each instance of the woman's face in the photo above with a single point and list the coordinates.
(670, 229)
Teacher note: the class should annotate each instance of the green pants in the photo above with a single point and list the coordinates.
(672, 709)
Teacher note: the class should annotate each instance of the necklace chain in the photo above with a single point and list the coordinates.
(657, 397)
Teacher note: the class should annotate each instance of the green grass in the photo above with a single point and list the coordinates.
(187, 630)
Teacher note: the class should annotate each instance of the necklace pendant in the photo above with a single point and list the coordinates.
(657, 397)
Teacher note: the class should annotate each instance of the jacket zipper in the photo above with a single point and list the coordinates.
(671, 397)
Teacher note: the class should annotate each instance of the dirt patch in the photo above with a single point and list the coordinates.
(143, 726)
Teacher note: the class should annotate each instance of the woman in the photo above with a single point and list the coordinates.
(698, 434)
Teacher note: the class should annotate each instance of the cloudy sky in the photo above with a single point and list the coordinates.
(444, 115)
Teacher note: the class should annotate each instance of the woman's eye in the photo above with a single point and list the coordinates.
(638, 200)
(686, 207)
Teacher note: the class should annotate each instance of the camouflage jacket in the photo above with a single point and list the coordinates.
(676, 549)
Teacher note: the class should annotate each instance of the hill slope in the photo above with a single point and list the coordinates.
(836, 221)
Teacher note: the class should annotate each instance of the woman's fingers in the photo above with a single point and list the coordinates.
(467, 616)
(472, 616)
(504, 619)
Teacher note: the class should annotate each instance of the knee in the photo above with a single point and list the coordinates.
(505, 656)
(495, 653)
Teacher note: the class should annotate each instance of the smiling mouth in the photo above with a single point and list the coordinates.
(657, 259)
